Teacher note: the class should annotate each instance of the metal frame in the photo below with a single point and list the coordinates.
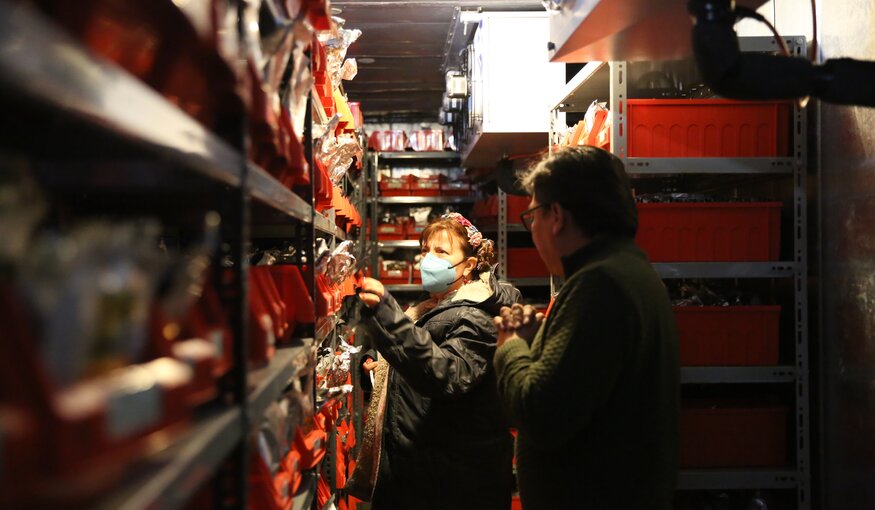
(47, 71)
(800, 254)
(425, 200)
(589, 84)
(502, 233)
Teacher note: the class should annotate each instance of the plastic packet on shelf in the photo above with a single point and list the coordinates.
(322, 255)
(21, 207)
(295, 95)
(593, 122)
(187, 279)
(349, 70)
(336, 44)
(698, 293)
(337, 154)
(342, 263)
(92, 291)
(670, 197)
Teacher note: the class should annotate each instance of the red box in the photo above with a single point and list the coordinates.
(427, 140)
(732, 434)
(516, 503)
(455, 188)
(728, 335)
(516, 205)
(388, 141)
(394, 187)
(391, 231)
(525, 263)
(398, 274)
(710, 232)
(702, 128)
(425, 186)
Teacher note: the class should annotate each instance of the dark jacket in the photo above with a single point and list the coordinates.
(446, 442)
(596, 395)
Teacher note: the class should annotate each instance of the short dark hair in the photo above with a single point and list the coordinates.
(591, 184)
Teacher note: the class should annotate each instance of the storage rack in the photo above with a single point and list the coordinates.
(608, 80)
(376, 200)
(49, 78)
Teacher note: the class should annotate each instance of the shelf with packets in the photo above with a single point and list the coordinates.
(672, 136)
(97, 110)
(168, 475)
(647, 151)
(409, 188)
(131, 158)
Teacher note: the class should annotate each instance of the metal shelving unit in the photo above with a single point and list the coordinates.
(176, 472)
(406, 244)
(269, 383)
(734, 375)
(425, 155)
(375, 201)
(99, 111)
(675, 270)
(717, 479)
(607, 81)
(425, 200)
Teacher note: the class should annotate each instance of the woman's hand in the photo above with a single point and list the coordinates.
(369, 364)
(518, 321)
(372, 292)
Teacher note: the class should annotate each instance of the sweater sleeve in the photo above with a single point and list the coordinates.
(585, 340)
(453, 367)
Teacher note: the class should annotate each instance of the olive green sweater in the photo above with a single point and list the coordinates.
(596, 395)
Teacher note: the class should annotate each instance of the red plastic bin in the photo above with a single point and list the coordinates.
(702, 128)
(392, 231)
(728, 335)
(425, 186)
(398, 275)
(525, 263)
(516, 503)
(717, 434)
(394, 187)
(455, 188)
(710, 232)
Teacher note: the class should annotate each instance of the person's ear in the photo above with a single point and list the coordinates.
(559, 218)
(470, 265)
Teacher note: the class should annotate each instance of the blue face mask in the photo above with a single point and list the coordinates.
(437, 274)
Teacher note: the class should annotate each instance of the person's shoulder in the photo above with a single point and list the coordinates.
(602, 280)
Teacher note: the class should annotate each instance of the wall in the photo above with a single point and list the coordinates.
(843, 257)
(847, 200)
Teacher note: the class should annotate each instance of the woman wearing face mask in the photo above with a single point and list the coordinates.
(435, 436)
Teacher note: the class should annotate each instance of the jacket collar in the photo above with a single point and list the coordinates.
(481, 293)
(597, 249)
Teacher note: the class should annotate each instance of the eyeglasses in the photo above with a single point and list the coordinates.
(528, 216)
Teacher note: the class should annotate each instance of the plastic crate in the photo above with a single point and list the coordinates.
(397, 275)
(391, 231)
(455, 188)
(710, 232)
(516, 503)
(701, 128)
(717, 434)
(525, 263)
(728, 335)
(425, 186)
(394, 187)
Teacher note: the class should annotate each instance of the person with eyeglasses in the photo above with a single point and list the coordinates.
(435, 436)
(593, 388)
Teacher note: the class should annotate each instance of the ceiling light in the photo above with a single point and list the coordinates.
(365, 60)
